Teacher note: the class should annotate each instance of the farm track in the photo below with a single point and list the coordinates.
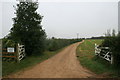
(62, 65)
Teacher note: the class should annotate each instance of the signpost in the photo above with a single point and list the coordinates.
(10, 49)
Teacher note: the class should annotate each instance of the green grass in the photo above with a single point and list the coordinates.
(87, 58)
(13, 67)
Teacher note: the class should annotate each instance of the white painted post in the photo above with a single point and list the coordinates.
(17, 50)
(111, 59)
(95, 49)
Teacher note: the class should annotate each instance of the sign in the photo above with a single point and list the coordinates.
(10, 49)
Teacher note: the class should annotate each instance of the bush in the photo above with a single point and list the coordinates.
(114, 44)
(55, 44)
(8, 43)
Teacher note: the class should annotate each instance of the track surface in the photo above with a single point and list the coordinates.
(62, 65)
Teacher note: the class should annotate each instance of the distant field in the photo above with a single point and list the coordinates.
(88, 47)
(87, 58)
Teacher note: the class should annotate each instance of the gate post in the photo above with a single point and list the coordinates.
(111, 59)
(17, 48)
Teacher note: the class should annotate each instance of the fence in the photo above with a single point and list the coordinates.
(21, 52)
(13, 53)
(8, 56)
(104, 52)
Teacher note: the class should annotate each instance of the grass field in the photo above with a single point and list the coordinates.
(12, 67)
(87, 58)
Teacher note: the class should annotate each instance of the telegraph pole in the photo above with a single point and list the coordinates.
(77, 35)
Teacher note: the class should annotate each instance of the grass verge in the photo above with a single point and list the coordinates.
(87, 58)
(13, 67)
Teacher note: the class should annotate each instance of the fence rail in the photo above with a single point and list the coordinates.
(17, 55)
(104, 52)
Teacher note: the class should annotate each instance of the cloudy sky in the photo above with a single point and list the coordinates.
(64, 19)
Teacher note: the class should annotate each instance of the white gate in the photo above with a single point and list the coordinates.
(21, 52)
(104, 52)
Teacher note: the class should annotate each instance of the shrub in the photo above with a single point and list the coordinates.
(55, 44)
(114, 44)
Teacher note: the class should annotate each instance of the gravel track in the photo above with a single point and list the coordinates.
(62, 65)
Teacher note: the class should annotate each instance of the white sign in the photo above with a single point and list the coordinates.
(10, 49)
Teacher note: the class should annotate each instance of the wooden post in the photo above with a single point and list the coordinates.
(111, 59)
(95, 48)
(17, 52)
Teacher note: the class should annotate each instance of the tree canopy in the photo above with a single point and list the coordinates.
(27, 28)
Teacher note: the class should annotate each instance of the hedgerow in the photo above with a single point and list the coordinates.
(114, 43)
(55, 44)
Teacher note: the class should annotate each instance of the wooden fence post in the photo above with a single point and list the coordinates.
(111, 59)
(95, 49)
(17, 56)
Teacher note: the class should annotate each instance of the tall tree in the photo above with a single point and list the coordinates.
(113, 33)
(27, 28)
(108, 33)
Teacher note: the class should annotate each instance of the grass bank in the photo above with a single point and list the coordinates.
(87, 58)
(13, 67)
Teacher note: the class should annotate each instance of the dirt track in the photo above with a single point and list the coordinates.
(62, 65)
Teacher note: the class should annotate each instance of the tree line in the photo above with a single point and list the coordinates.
(55, 44)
